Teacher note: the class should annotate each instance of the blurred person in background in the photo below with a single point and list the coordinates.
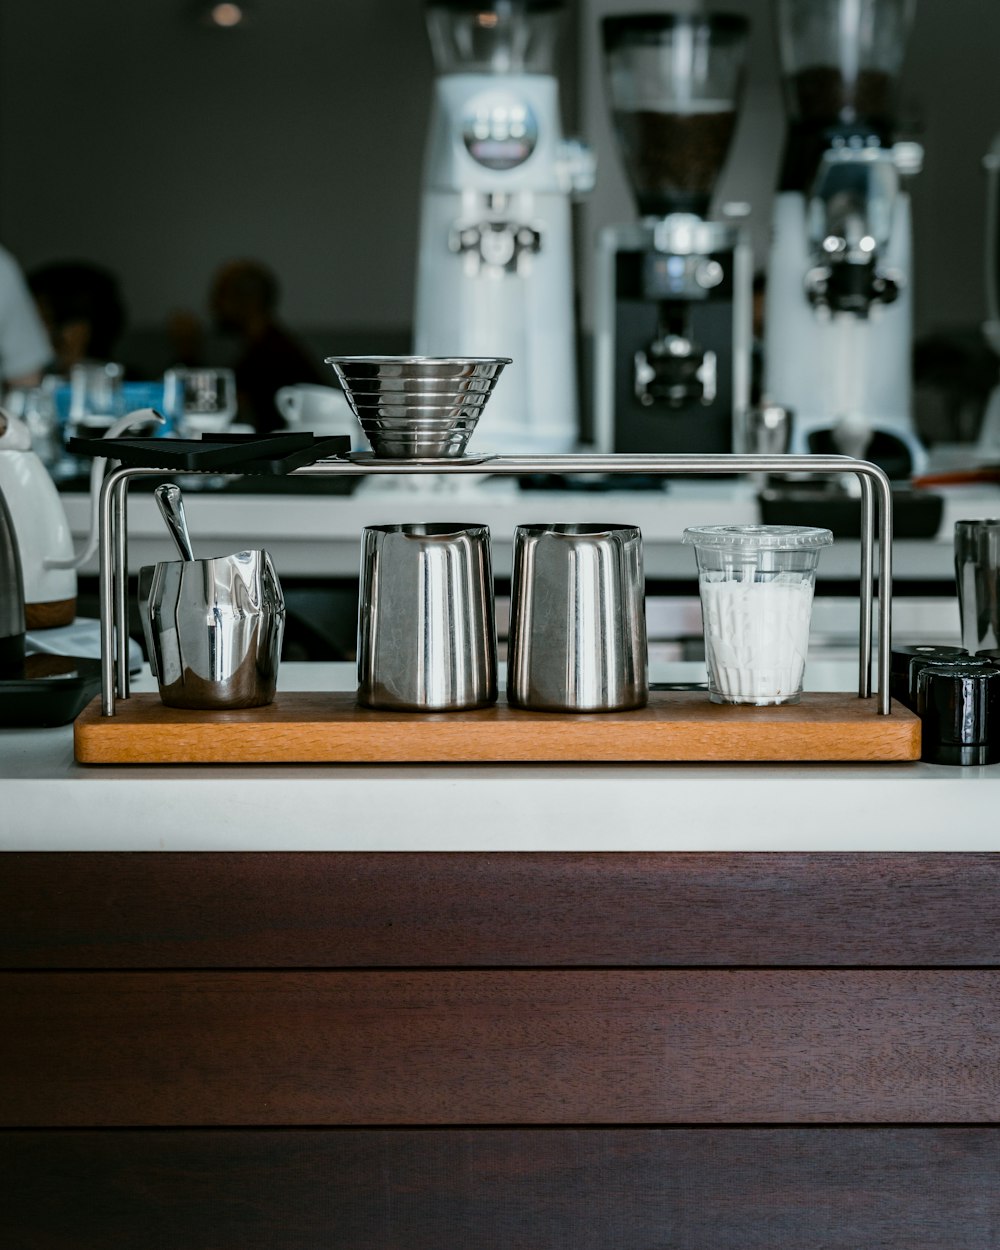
(24, 346)
(243, 300)
(81, 306)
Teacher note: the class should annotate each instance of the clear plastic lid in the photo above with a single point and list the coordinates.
(758, 537)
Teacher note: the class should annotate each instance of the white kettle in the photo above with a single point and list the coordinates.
(48, 561)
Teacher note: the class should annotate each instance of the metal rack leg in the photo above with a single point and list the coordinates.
(865, 587)
(121, 587)
(107, 596)
(884, 492)
(885, 597)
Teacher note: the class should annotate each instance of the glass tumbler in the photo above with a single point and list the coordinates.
(756, 585)
(200, 401)
(96, 397)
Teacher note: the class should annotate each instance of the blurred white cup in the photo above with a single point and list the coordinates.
(320, 410)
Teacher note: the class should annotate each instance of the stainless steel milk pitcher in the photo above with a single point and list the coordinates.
(977, 577)
(213, 630)
(577, 619)
(426, 630)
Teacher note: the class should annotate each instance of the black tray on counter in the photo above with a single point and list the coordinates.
(233, 453)
(916, 513)
(50, 690)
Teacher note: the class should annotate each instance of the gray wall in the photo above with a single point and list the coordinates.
(132, 136)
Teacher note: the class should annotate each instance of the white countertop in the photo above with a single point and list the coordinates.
(320, 536)
(50, 803)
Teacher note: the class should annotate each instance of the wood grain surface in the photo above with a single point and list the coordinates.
(50, 615)
(570, 1189)
(329, 727)
(613, 1046)
(550, 1052)
(342, 910)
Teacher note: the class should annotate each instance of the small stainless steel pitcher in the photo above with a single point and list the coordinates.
(977, 576)
(577, 619)
(213, 630)
(426, 629)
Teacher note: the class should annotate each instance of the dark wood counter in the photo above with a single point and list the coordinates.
(356, 1050)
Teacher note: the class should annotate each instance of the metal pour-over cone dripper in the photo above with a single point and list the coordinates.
(674, 82)
(418, 407)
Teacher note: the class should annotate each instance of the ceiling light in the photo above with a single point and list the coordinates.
(223, 14)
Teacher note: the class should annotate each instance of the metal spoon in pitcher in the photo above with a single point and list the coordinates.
(171, 504)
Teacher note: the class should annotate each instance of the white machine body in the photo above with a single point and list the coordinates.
(839, 371)
(495, 275)
(989, 433)
(40, 524)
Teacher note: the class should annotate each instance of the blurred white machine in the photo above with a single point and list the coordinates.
(989, 436)
(838, 330)
(495, 267)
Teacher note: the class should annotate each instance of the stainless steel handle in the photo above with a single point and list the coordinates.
(171, 504)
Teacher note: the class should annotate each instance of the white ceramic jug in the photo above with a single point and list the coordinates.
(48, 561)
(41, 528)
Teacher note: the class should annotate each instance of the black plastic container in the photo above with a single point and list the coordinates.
(959, 709)
(906, 662)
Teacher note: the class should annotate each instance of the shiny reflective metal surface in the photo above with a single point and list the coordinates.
(170, 501)
(768, 430)
(426, 629)
(411, 388)
(577, 619)
(213, 630)
(977, 576)
(388, 445)
(368, 460)
(429, 416)
(413, 407)
(390, 371)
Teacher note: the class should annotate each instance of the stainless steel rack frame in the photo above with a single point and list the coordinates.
(113, 536)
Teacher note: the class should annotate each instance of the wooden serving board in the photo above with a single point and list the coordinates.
(330, 728)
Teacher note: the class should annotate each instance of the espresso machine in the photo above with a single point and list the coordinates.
(838, 307)
(495, 274)
(673, 289)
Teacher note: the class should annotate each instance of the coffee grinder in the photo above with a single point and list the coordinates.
(495, 273)
(673, 290)
(838, 308)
